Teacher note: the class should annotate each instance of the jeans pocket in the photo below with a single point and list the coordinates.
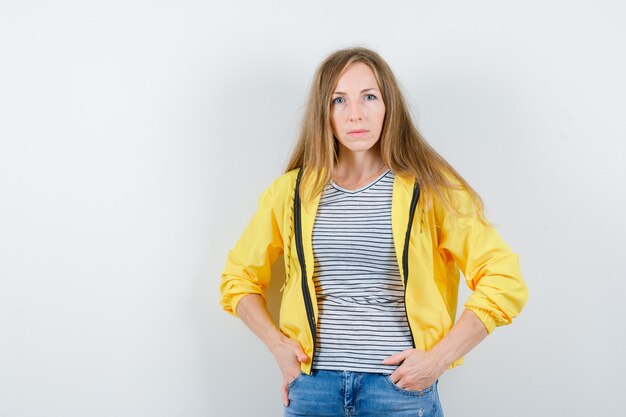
(415, 393)
(296, 379)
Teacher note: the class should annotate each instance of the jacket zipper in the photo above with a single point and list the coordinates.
(305, 288)
(300, 250)
(405, 253)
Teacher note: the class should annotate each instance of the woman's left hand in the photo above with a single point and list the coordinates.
(419, 369)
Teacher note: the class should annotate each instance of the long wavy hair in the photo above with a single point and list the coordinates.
(402, 147)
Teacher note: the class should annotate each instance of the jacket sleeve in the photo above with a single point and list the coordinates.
(248, 264)
(490, 268)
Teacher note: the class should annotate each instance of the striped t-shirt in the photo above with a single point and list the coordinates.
(360, 296)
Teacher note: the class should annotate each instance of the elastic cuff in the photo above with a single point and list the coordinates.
(229, 304)
(235, 299)
(485, 317)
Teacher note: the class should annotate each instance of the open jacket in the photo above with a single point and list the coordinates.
(431, 245)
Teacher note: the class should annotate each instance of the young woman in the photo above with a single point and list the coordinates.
(374, 225)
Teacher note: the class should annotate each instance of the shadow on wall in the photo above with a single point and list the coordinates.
(273, 294)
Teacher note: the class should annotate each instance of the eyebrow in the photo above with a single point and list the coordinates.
(362, 91)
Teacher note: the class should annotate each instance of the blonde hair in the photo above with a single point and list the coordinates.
(403, 148)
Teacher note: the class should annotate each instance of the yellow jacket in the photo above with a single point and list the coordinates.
(437, 242)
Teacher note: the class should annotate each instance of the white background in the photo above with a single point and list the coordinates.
(136, 137)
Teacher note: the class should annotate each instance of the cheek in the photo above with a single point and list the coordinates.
(377, 111)
(380, 117)
(333, 124)
(334, 118)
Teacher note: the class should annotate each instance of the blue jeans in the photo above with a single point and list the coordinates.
(362, 394)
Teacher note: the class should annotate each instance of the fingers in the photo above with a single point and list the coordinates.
(397, 375)
(302, 357)
(285, 395)
(391, 360)
(397, 357)
(394, 379)
(408, 384)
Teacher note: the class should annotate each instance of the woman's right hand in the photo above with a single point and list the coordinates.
(289, 355)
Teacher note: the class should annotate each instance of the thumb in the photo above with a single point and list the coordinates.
(285, 393)
(302, 357)
(397, 357)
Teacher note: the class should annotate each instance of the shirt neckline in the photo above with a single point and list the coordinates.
(366, 186)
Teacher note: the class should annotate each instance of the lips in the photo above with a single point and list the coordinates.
(358, 133)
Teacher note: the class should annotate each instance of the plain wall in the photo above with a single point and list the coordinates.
(136, 137)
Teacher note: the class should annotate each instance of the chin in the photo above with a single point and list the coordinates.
(361, 147)
(358, 146)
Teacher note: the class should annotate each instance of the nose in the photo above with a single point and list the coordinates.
(355, 113)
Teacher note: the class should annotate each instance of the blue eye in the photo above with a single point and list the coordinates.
(371, 95)
(335, 100)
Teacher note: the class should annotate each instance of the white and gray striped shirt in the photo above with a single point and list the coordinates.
(360, 296)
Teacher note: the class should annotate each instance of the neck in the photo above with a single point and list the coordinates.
(353, 167)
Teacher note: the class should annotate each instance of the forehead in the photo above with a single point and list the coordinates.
(357, 75)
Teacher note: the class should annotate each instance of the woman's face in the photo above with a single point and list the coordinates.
(357, 109)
